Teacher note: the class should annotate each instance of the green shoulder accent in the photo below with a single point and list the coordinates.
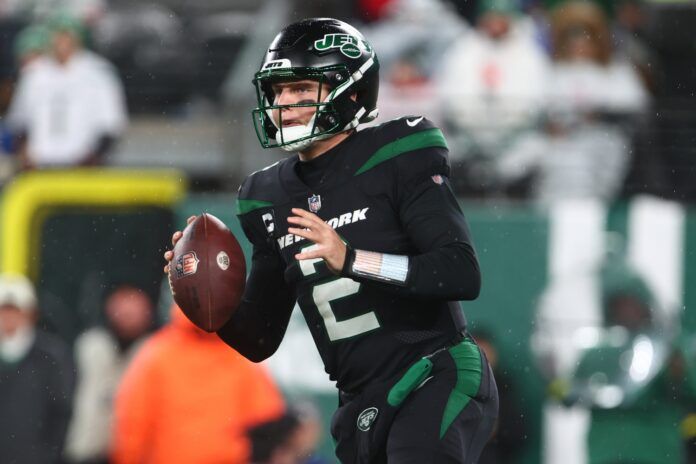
(415, 376)
(246, 206)
(423, 139)
(467, 358)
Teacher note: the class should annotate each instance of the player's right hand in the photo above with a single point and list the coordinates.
(176, 236)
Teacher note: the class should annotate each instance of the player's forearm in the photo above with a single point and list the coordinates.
(450, 272)
(258, 325)
(251, 331)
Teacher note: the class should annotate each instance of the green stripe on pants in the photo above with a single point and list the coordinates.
(467, 359)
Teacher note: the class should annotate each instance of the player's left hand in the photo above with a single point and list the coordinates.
(330, 247)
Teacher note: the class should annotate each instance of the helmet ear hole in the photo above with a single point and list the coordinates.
(338, 78)
(327, 119)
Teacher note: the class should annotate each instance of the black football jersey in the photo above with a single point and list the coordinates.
(384, 189)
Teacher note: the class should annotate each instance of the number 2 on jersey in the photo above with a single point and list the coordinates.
(323, 294)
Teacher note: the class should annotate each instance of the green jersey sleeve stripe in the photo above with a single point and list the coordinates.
(423, 139)
(246, 206)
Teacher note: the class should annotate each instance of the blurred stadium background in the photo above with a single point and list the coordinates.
(544, 223)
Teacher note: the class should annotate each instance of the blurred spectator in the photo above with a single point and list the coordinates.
(583, 55)
(635, 379)
(606, 5)
(594, 100)
(28, 45)
(68, 108)
(189, 398)
(630, 40)
(20, 45)
(372, 10)
(102, 355)
(511, 428)
(36, 380)
(492, 85)
(85, 10)
(290, 439)
(31, 44)
(426, 30)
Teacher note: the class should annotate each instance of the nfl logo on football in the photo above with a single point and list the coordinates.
(314, 203)
(186, 264)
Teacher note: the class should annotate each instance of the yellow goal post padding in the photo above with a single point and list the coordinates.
(36, 191)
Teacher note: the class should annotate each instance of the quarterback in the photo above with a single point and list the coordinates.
(362, 230)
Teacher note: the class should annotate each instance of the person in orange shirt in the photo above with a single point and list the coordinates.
(188, 397)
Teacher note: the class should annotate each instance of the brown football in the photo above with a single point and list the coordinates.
(207, 273)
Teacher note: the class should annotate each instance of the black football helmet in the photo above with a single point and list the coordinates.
(328, 51)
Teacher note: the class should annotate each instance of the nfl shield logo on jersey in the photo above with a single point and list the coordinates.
(314, 203)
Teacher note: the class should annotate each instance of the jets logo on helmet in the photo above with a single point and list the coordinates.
(347, 44)
(332, 53)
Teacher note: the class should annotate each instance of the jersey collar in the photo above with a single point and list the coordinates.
(340, 168)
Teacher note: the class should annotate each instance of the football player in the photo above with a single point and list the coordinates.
(361, 228)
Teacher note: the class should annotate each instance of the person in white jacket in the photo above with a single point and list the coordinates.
(491, 87)
(69, 106)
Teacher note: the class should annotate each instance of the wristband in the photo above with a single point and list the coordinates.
(381, 267)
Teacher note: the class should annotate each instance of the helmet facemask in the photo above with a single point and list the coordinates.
(324, 123)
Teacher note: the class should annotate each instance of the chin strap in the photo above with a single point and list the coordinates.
(298, 132)
(285, 137)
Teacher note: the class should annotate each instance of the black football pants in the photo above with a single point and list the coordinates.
(447, 420)
(441, 411)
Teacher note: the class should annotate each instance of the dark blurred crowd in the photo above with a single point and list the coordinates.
(127, 393)
(540, 99)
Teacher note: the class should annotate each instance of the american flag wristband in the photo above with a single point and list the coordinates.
(381, 267)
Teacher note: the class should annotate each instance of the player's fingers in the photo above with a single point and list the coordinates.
(307, 215)
(168, 256)
(191, 219)
(300, 221)
(310, 255)
(176, 236)
(312, 220)
(304, 233)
